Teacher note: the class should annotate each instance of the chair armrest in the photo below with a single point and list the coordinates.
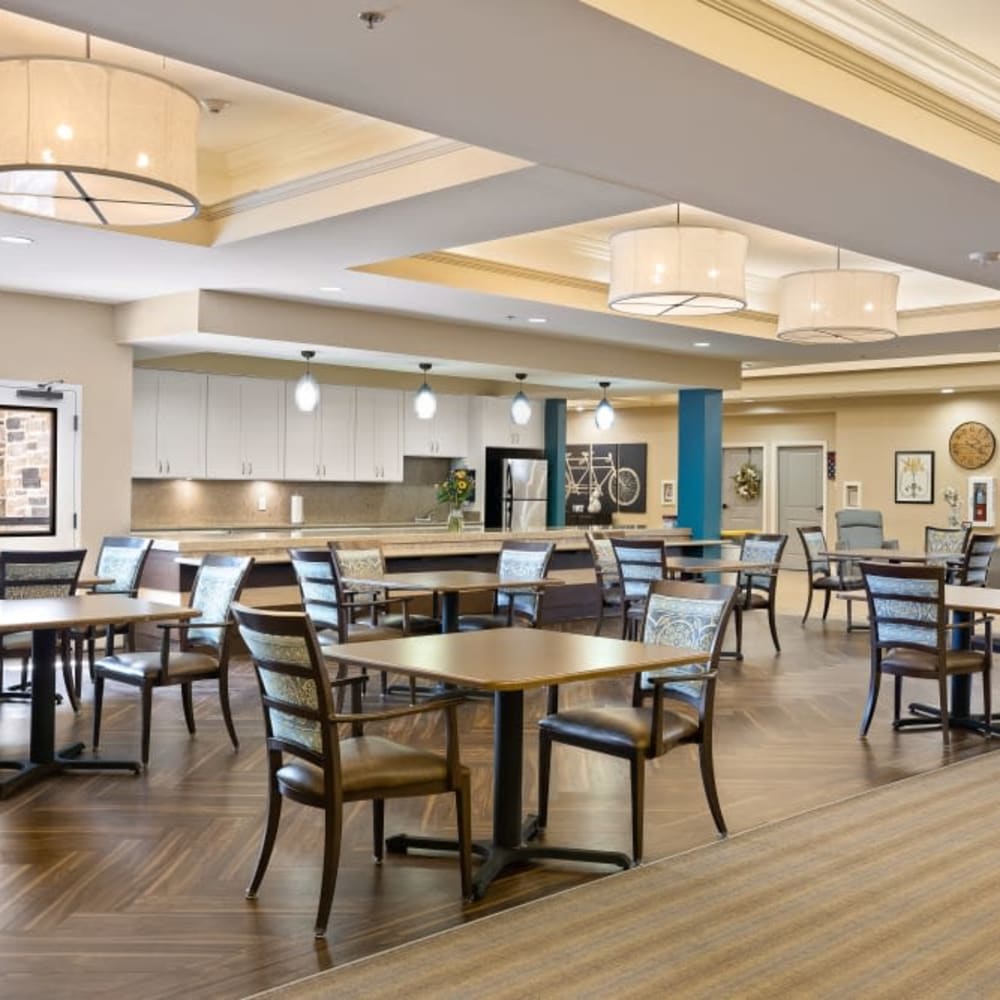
(688, 672)
(192, 624)
(431, 705)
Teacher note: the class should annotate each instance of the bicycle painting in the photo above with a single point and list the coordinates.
(602, 479)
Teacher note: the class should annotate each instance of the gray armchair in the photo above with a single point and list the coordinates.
(862, 529)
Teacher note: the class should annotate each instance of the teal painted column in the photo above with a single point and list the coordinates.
(699, 462)
(555, 452)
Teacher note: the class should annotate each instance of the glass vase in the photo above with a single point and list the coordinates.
(455, 520)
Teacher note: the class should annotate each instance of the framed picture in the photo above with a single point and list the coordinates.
(668, 492)
(914, 477)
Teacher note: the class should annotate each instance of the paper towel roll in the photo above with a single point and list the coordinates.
(296, 517)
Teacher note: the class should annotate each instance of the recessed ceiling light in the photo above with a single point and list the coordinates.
(19, 241)
(537, 319)
(331, 288)
(702, 343)
(746, 364)
(947, 392)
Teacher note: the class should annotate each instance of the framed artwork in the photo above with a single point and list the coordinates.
(914, 477)
(668, 492)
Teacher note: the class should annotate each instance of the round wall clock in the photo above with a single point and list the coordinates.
(972, 444)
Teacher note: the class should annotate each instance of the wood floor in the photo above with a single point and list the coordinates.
(124, 887)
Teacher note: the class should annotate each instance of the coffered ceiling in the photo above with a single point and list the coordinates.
(466, 162)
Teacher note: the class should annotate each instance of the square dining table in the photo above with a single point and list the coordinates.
(45, 618)
(508, 662)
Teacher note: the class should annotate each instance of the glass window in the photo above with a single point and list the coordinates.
(27, 471)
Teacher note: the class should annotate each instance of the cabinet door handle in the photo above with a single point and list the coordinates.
(159, 466)
(324, 471)
(250, 467)
(243, 468)
(168, 466)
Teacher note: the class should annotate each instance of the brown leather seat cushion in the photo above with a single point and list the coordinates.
(359, 633)
(914, 663)
(476, 623)
(623, 728)
(755, 600)
(136, 666)
(369, 763)
(419, 624)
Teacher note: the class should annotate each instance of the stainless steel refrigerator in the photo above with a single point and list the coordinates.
(525, 493)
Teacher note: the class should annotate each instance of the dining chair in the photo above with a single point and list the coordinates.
(911, 637)
(204, 645)
(328, 605)
(121, 559)
(677, 613)
(951, 541)
(308, 762)
(974, 570)
(640, 562)
(521, 605)
(25, 575)
(822, 573)
(757, 590)
(606, 570)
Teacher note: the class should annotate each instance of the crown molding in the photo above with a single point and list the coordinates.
(818, 43)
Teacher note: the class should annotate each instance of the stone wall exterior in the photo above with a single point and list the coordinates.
(26, 468)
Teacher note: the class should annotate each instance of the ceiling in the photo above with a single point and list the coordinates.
(466, 162)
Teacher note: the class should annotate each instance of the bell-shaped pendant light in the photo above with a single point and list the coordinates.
(604, 415)
(306, 389)
(425, 403)
(520, 406)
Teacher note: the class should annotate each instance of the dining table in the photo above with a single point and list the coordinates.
(508, 662)
(891, 555)
(45, 618)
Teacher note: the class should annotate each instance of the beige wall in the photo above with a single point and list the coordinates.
(48, 338)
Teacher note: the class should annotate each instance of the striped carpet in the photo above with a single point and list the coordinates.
(891, 893)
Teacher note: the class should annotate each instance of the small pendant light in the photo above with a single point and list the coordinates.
(306, 389)
(604, 415)
(425, 403)
(520, 407)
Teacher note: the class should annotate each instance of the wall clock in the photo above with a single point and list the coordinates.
(972, 444)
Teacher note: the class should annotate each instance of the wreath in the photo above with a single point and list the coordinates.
(747, 481)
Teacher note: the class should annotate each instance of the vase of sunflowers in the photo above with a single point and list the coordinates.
(455, 491)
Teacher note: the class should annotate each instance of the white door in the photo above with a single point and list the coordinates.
(740, 513)
(40, 478)
(801, 490)
(388, 434)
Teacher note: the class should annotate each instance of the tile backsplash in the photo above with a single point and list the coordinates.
(177, 503)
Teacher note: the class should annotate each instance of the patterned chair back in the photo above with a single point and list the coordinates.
(692, 615)
(318, 586)
(906, 606)
(123, 560)
(218, 584)
(975, 568)
(947, 540)
(640, 562)
(294, 684)
(523, 561)
(605, 564)
(26, 575)
(761, 548)
(350, 561)
(814, 543)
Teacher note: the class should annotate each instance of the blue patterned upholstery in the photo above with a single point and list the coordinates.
(122, 564)
(319, 592)
(360, 564)
(638, 567)
(757, 550)
(215, 591)
(915, 612)
(950, 541)
(815, 544)
(518, 564)
(692, 623)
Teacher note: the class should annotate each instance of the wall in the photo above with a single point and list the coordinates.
(48, 338)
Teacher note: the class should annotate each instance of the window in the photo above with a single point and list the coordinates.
(27, 471)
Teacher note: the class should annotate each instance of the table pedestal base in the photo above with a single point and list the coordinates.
(929, 716)
(27, 773)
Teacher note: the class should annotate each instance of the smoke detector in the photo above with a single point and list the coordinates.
(372, 18)
(215, 105)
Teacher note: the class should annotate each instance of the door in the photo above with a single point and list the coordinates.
(262, 432)
(144, 391)
(336, 416)
(801, 490)
(302, 431)
(180, 424)
(224, 453)
(741, 513)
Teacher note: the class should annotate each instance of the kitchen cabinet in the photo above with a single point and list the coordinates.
(378, 438)
(168, 424)
(319, 446)
(499, 431)
(245, 428)
(445, 435)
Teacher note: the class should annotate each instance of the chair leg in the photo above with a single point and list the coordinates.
(544, 769)
(331, 861)
(897, 698)
(738, 622)
(600, 618)
(866, 721)
(463, 807)
(987, 701)
(67, 672)
(413, 690)
(227, 713)
(378, 830)
(147, 719)
(98, 704)
(188, 703)
(773, 624)
(270, 834)
(826, 604)
(809, 600)
(945, 720)
(637, 767)
(711, 792)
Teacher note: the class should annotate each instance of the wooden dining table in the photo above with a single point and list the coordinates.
(45, 618)
(508, 662)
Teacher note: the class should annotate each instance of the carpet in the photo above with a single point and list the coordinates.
(890, 893)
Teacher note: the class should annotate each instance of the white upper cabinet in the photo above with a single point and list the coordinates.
(320, 445)
(445, 435)
(168, 424)
(499, 431)
(245, 428)
(378, 440)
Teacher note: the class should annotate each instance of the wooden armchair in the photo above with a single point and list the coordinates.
(606, 568)
(823, 573)
(523, 605)
(640, 563)
(758, 588)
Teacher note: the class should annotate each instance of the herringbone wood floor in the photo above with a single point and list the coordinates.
(122, 886)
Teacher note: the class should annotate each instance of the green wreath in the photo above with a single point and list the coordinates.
(747, 481)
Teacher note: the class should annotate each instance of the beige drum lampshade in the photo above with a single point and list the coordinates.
(842, 306)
